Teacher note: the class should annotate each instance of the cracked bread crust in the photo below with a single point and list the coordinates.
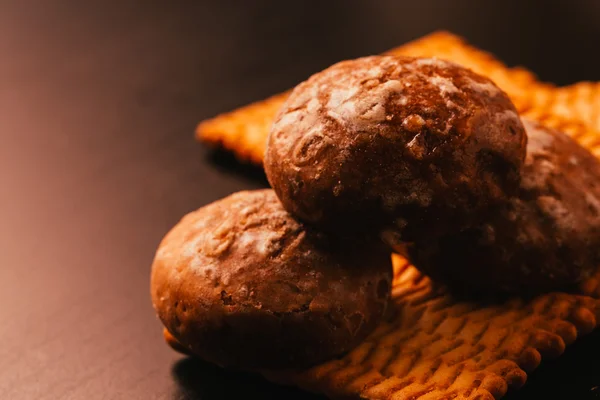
(547, 237)
(396, 144)
(240, 283)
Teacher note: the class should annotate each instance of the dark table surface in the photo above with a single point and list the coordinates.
(98, 103)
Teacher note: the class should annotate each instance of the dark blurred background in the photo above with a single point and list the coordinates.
(98, 103)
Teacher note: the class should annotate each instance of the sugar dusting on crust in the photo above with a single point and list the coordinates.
(541, 141)
(300, 113)
(593, 203)
(446, 86)
(419, 106)
(376, 113)
(540, 144)
(553, 162)
(543, 171)
(573, 160)
(261, 241)
(358, 99)
(486, 88)
(555, 209)
(359, 109)
(434, 61)
(245, 225)
(431, 61)
(545, 153)
(507, 116)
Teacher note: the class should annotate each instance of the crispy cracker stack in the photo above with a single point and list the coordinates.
(435, 346)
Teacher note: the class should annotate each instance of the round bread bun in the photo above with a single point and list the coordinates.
(242, 284)
(546, 237)
(402, 146)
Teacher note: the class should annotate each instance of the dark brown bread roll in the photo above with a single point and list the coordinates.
(399, 145)
(242, 284)
(546, 237)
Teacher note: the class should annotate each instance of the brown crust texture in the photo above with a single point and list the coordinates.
(545, 238)
(242, 284)
(406, 145)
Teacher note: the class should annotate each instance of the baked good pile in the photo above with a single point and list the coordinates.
(243, 284)
(418, 156)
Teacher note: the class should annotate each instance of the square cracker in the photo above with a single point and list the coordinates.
(435, 346)
(244, 131)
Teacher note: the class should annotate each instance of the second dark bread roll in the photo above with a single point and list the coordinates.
(240, 283)
(546, 237)
(403, 146)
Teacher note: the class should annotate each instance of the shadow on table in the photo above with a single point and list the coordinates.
(227, 162)
(197, 380)
(574, 375)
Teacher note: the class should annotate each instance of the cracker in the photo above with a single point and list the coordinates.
(580, 101)
(244, 131)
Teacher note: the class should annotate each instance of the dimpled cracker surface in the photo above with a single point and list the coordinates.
(244, 131)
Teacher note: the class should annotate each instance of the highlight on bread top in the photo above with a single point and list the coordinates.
(416, 156)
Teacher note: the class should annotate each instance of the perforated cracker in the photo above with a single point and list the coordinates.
(244, 131)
